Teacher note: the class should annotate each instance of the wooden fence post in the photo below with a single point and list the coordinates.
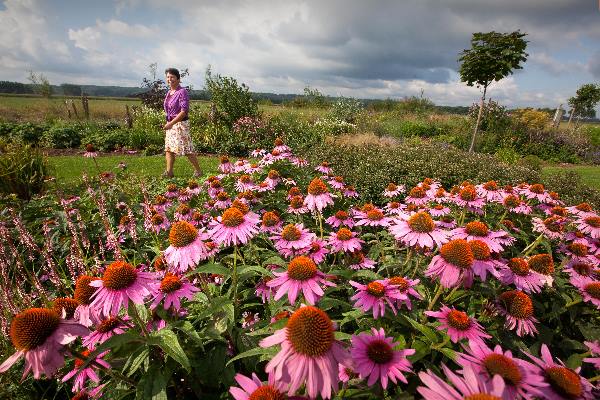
(85, 104)
(128, 117)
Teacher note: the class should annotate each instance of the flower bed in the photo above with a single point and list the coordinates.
(273, 280)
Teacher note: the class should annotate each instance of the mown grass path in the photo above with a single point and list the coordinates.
(590, 174)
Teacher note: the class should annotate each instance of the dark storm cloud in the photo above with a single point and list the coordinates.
(594, 65)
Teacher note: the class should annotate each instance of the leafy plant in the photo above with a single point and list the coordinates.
(23, 171)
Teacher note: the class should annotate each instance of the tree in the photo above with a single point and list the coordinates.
(230, 99)
(41, 84)
(584, 102)
(492, 56)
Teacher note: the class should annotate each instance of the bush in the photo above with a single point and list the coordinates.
(233, 101)
(368, 166)
(297, 133)
(346, 109)
(332, 126)
(507, 155)
(532, 162)
(27, 133)
(62, 137)
(23, 170)
(571, 188)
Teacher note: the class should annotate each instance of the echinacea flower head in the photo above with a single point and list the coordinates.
(562, 382)
(477, 230)
(595, 351)
(292, 239)
(542, 264)
(297, 205)
(186, 246)
(490, 191)
(66, 305)
(317, 251)
(467, 197)
(84, 313)
(469, 386)
(458, 324)
(270, 222)
(357, 260)
(302, 275)
(158, 222)
(374, 217)
(517, 307)
(39, 335)
(375, 295)
(517, 272)
(309, 354)
(254, 389)
(234, 227)
(392, 190)
(340, 218)
(552, 227)
(417, 196)
(318, 196)
(453, 265)
(121, 283)
(520, 377)
(406, 287)
(83, 374)
(345, 240)
(482, 259)
(419, 230)
(105, 329)
(375, 359)
(172, 289)
(588, 288)
(589, 225)
(537, 192)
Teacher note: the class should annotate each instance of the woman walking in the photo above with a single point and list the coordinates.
(177, 139)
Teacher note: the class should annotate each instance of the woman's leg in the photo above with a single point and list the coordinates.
(194, 160)
(170, 162)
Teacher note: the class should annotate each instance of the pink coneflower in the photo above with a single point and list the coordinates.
(441, 196)
(392, 190)
(589, 289)
(293, 192)
(249, 320)
(517, 307)
(234, 227)
(318, 196)
(186, 246)
(273, 179)
(447, 221)
(121, 283)
(458, 324)
(172, 289)
(469, 386)
(350, 192)
(240, 165)
(262, 290)
(516, 205)
(297, 206)
(302, 275)
(490, 191)
(419, 230)
(374, 358)
(244, 183)
(222, 201)
(595, 351)
(105, 329)
(517, 272)
(374, 217)
(340, 218)
(344, 240)
(394, 208)
(439, 211)
(375, 295)
(90, 151)
(281, 147)
(337, 182)
(467, 197)
(580, 252)
(183, 196)
(580, 269)
(299, 162)
(357, 260)
(482, 260)
(84, 313)
(183, 213)
(590, 225)
(254, 389)
(346, 373)
(561, 382)
(552, 227)
(293, 239)
(161, 203)
(317, 251)
(406, 287)
(270, 222)
(39, 335)
(225, 166)
(453, 265)
(172, 191)
(158, 222)
(519, 376)
(193, 187)
(582, 209)
(417, 196)
(477, 230)
(324, 168)
(257, 153)
(214, 187)
(537, 192)
(309, 354)
(83, 374)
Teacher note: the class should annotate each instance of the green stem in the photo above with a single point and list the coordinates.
(439, 346)
(532, 246)
(138, 320)
(572, 303)
(438, 293)
(235, 279)
(450, 294)
(321, 224)
(594, 379)
(109, 371)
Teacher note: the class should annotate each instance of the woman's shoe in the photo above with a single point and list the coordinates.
(167, 175)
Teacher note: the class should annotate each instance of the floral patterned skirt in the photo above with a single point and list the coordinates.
(178, 139)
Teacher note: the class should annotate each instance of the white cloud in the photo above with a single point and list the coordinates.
(555, 66)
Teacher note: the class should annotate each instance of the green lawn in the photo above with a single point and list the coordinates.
(68, 170)
(589, 174)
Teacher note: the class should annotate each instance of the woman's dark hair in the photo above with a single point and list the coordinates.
(173, 71)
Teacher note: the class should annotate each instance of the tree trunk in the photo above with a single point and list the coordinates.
(571, 117)
(478, 120)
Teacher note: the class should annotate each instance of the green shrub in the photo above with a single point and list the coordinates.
(333, 126)
(295, 131)
(533, 162)
(346, 109)
(593, 133)
(508, 155)
(23, 170)
(571, 188)
(27, 133)
(233, 101)
(62, 137)
(370, 167)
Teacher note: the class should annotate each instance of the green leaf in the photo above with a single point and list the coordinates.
(135, 361)
(257, 269)
(365, 273)
(451, 354)
(258, 351)
(211, 268)
(425, 330)
(167, 340)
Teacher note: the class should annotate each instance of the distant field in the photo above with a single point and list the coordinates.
(589, 174)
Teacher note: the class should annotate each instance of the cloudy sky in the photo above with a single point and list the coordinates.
(365, 49)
